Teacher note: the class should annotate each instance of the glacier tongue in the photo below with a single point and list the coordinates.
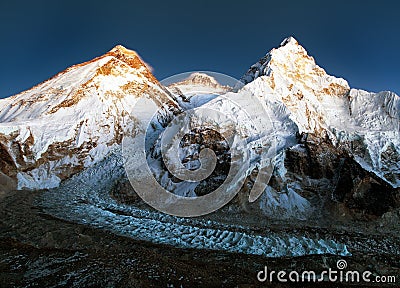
(85, 199)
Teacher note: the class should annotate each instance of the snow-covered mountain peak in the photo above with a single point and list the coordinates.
(75, 118)
(303, 86)
(289, 40)
(195, 89)
(116, 74)
(291, 62)
(200, 79)
(119, 49)
(132, 59)
(325, 106)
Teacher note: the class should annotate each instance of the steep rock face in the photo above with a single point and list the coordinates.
(6, 184)
(74, 119)
(328, 171)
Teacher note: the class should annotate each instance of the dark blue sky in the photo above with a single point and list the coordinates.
(357, 40)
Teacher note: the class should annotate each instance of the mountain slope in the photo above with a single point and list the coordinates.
(74, 119)
(331, 142)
